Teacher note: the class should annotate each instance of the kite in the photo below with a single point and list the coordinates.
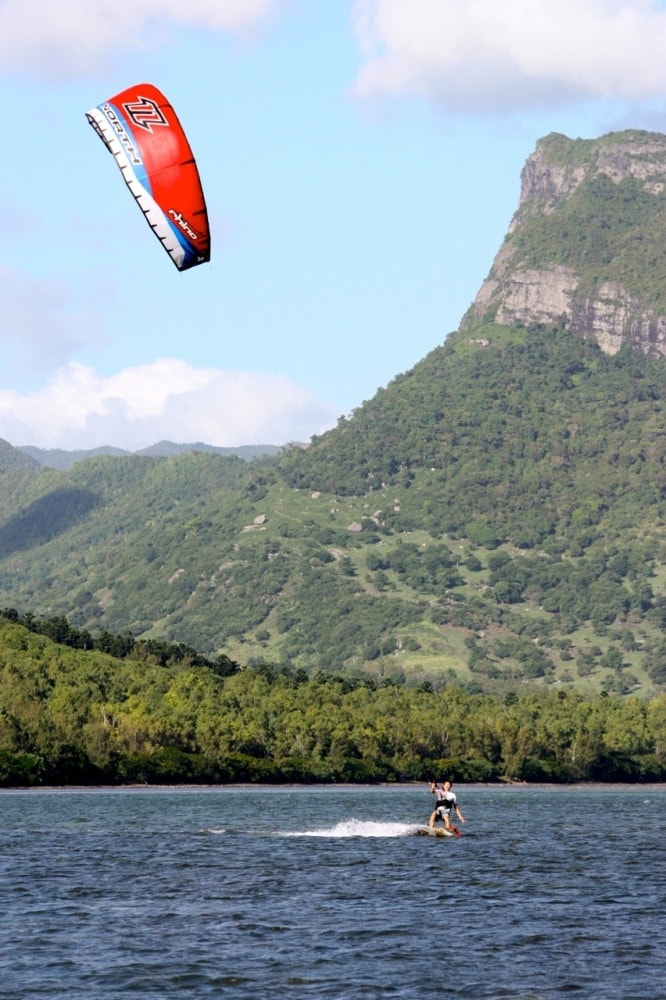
(141, 130)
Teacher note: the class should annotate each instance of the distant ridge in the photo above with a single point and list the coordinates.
(15, 458)
(58, 458)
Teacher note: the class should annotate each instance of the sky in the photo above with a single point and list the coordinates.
(361, 164)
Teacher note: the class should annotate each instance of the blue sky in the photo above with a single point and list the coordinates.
(361, 162)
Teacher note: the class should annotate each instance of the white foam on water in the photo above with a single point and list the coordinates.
(360, 828)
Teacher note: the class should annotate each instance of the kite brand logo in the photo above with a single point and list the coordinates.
(144, 113)
(119, 129)
(184, 225)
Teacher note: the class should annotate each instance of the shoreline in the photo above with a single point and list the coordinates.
(332, 786)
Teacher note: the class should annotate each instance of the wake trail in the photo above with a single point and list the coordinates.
(359, 828)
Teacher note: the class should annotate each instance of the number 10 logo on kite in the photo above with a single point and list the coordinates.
(140, 129)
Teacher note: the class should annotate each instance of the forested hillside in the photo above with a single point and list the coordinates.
(494, 517)
(151, 713)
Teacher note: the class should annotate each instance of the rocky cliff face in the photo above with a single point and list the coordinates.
(587, 245)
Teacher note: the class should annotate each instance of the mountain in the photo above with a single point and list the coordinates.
(14, 458)
(58, 458)
(495, 515)
(586, 246)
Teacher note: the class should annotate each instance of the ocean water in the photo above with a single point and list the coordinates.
(297, 892)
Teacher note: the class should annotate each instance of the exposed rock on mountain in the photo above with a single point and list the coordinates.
(586, 244)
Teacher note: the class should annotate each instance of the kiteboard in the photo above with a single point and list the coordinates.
(437, 831)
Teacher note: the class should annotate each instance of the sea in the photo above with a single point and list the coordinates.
(326, 892)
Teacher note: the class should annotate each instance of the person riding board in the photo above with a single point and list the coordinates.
(446, 801)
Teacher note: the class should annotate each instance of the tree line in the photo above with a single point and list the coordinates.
(72, 715)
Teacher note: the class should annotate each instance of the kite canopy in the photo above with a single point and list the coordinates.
(141, 129)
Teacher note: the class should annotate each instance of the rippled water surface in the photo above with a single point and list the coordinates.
(324, 892)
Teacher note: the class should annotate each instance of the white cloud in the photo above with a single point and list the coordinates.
(165, 400)
(482, 56)
(70, 37)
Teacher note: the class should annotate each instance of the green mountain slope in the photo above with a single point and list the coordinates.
(497, 525)
(495, 515)
(12, 458)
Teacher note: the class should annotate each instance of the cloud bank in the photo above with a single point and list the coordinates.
(486, 56)
(167, 399)
(67, 38)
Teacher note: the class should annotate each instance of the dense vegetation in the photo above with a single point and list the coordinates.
(493, 518)
(531, 434)
(71, 715)
(494, 515)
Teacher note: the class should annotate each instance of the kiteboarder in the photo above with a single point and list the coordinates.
(446, 801)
